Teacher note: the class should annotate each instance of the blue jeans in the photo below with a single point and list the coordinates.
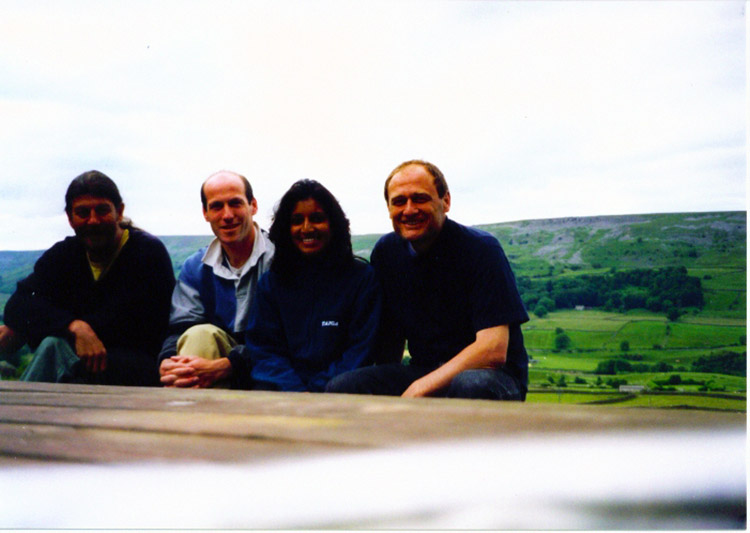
(394, 379)
(55, 361)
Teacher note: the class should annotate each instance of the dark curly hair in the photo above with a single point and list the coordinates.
(287, 258)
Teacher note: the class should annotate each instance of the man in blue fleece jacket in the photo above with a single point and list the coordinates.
(217, 284)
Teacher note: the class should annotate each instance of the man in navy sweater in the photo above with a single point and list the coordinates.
(449, 293)
(96, 306)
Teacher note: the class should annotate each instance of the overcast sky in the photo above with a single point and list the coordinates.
(531, 109)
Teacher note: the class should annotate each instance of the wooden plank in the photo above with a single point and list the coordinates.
(25, 443)
(93, 421)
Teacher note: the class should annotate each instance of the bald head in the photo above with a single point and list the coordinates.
(226, 176)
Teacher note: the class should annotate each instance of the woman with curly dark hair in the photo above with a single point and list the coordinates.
(316, 311)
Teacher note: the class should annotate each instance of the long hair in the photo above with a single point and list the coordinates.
(96, 184)
(287, 258)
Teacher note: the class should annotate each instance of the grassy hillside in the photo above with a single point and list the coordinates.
(694, 240)
(182, 246)
(15, 266)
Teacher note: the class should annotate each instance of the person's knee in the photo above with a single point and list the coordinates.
(366, 380)
(51, 345)
(387, 380)
(484, 384)
(200, 333)
(54, 361)
(346, 383)
(55, 351)
(205, 340)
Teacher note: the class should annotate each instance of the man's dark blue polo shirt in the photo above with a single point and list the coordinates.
(438, 300)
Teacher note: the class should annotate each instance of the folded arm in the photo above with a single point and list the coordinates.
(488, 350)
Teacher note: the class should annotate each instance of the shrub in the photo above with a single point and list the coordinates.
(726, 362)
(547, 302)
(661, 366)
(615, 382)
(562, 341)
(613, 366)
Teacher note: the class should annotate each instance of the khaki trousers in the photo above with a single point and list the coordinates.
(205, 340)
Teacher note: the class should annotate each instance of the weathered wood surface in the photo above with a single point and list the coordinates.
(46, 422)
(289, 460)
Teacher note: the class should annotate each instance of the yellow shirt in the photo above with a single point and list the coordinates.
(98, 269)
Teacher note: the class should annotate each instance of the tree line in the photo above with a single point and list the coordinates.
(669, 290)
(724, 362)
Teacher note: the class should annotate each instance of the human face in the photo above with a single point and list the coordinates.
(228, 211)
(310, 227)
(96, 223)
(416, 211)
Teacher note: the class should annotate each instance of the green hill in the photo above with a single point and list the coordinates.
(579, 244)
(694, 240)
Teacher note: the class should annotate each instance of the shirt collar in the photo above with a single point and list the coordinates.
(214, 256)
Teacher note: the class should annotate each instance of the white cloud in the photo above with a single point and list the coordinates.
(531, 109)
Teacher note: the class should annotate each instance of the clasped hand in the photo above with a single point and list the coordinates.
(189, 371)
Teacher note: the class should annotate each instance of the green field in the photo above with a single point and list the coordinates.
(644, 400)
(600, 330)
(598, 336)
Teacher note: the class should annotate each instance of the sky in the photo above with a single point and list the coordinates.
(531, 109)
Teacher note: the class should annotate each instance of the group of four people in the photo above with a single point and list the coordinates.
(289, 310)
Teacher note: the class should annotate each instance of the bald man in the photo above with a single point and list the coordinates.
(211, 300)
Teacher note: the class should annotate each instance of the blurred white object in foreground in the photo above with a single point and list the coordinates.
(634, 480)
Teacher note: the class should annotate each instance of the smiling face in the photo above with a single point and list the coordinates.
(416, 211)
(96, 222)
(309, 227)
(228, 210)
